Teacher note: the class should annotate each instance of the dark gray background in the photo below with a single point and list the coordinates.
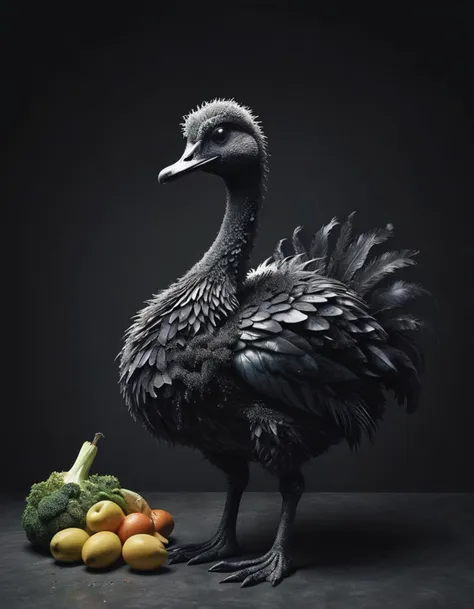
(363, 111)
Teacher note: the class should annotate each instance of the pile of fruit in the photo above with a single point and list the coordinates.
(110, 534)
(93, 518)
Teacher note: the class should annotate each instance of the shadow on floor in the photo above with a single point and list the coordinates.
(338, 541)
(36, 551)
(360, 541)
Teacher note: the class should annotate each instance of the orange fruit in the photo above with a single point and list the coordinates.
(135, 524)
(163, 522)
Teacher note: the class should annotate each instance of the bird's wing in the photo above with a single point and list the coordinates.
(320, 333)
(306, 339)
(298, 329)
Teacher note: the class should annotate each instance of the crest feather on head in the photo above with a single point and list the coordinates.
(211, 113)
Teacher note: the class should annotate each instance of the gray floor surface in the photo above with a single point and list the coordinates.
(382, 551)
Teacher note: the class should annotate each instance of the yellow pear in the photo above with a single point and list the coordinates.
(144, 552)
(104, 516)
(67, 544)
(101, 550)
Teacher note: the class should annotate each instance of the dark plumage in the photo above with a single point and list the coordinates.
(274, 365)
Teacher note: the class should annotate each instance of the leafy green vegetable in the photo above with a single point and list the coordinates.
(63, 500)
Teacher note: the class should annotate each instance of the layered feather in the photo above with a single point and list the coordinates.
(399, 357)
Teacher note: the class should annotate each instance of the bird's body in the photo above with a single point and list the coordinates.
(273, 365)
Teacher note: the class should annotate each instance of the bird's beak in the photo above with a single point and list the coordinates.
(187, 163)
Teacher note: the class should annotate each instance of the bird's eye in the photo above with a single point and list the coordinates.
(220, 135)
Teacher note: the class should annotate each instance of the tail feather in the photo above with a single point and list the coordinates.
(403, 323)
(384, 300)
(405, 343)
(379, 267)
(347, 263)
(357, 251)
(406, 384)
(320, 245)
(400, 357)
(340, 247)
(298, 245)
(278, 253)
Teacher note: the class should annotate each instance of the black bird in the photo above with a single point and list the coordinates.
(273, 365)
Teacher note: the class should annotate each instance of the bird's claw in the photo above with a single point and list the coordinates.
(272, 567)
(222, 545)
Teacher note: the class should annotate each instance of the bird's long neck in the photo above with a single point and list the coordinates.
(228, 256)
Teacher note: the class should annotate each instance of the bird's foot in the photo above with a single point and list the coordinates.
(272, 567)
(222, 545)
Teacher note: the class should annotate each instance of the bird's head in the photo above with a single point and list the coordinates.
(222, 138)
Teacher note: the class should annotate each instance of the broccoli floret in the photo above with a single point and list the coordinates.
(40, 489)
(52, 505)
(75, 509)
(63, 500)
(109, 489)
(71, 490)
(35, 529)
(107, 483)
(65, 521)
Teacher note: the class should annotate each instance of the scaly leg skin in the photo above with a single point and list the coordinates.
(224, 543)
(276, 563)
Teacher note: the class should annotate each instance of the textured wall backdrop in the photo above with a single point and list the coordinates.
(368, 114)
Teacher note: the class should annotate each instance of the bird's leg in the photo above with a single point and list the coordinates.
(224, 542)
(276, 563)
